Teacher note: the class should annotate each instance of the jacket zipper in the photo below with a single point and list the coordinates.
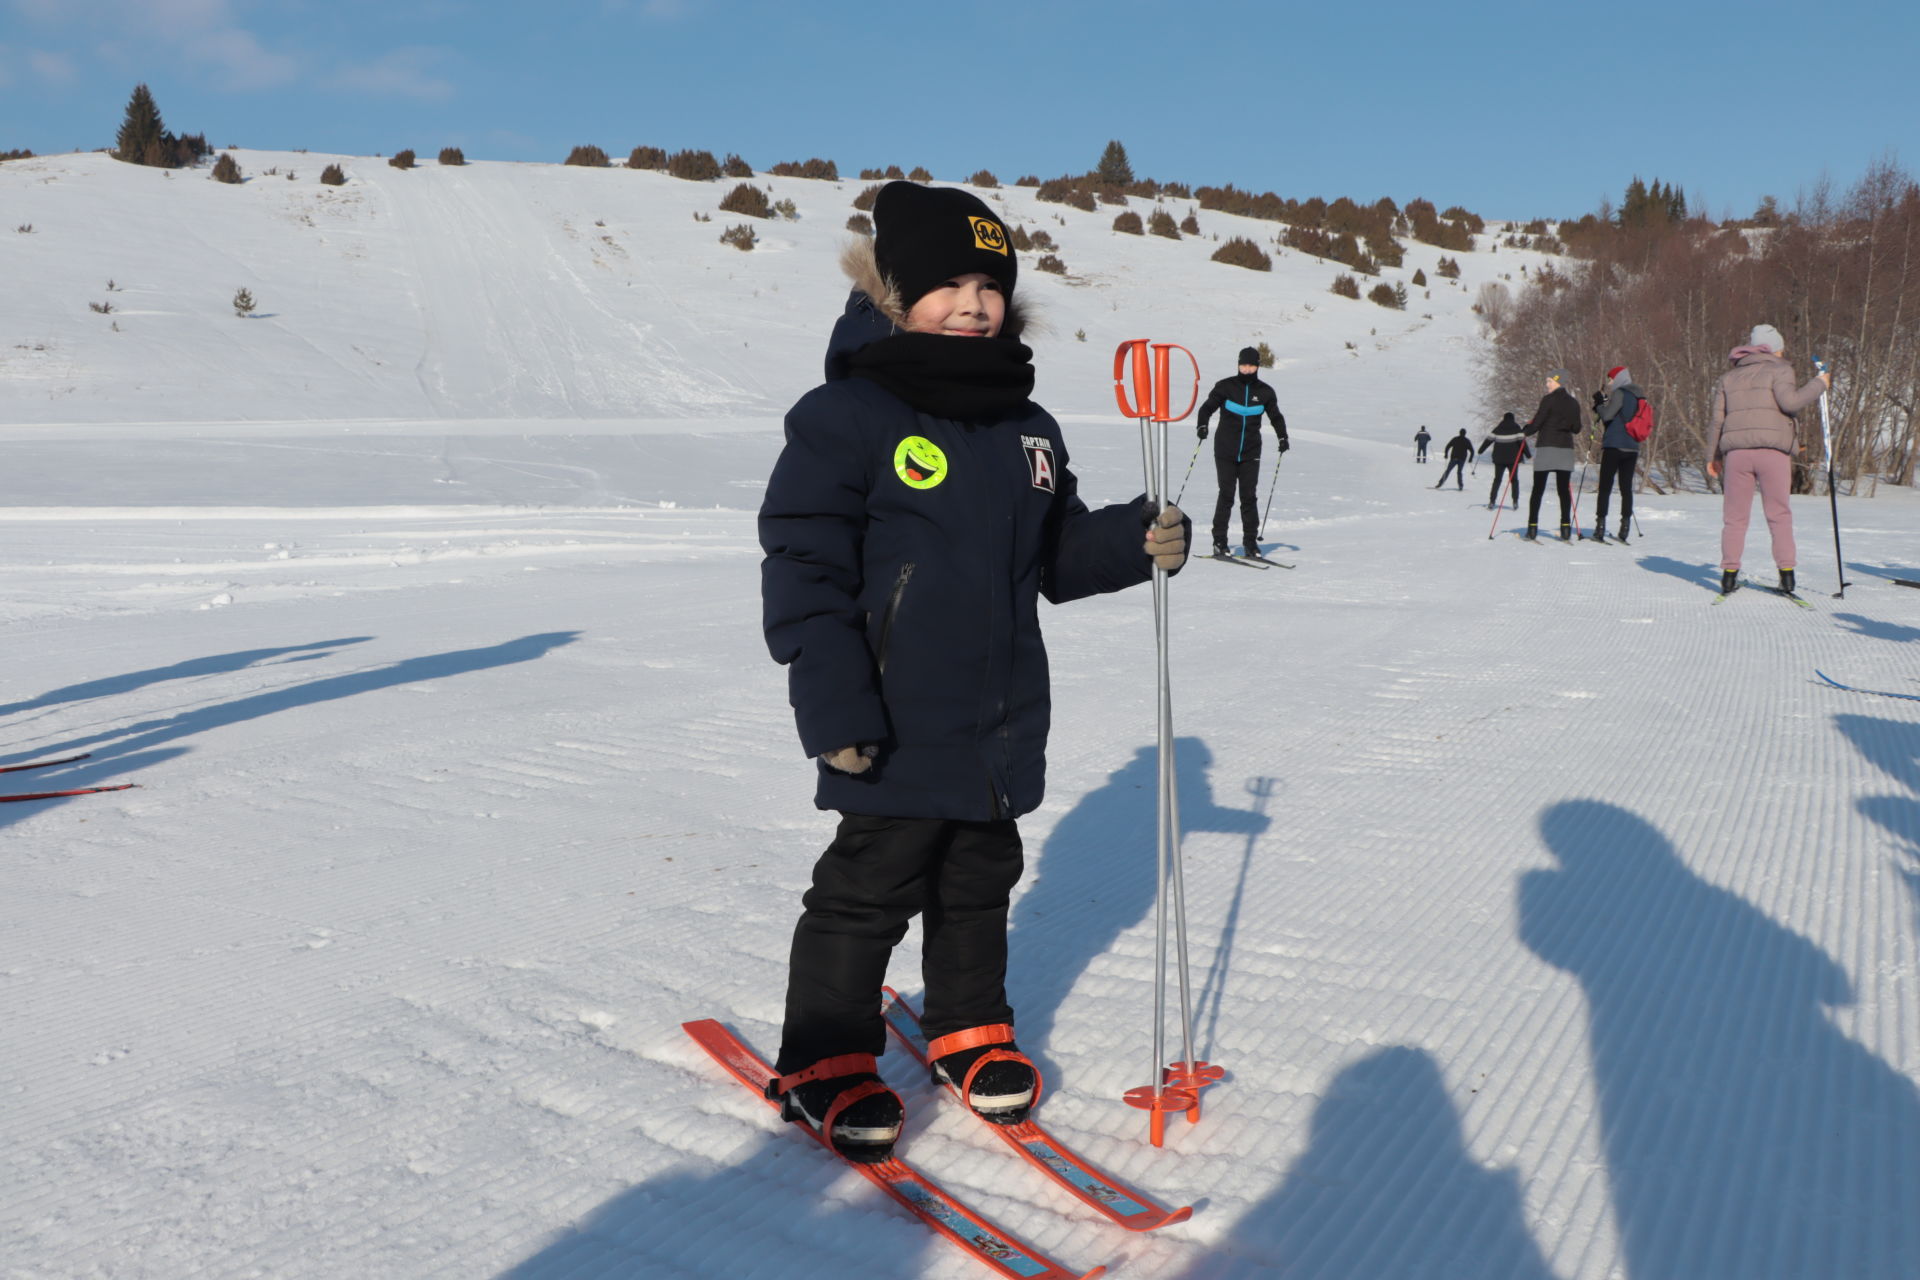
(893, 611)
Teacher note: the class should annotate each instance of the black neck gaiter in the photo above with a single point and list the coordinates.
(965, 379)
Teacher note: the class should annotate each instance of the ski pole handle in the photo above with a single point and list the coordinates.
(1134, 351)
(1163, 379)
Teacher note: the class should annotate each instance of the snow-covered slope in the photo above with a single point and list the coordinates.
(1550, 920)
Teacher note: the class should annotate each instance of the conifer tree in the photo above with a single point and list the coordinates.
(143, 138)
(1114, 170)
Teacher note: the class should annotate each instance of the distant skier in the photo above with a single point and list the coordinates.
(920, 507)
(1508, 440)
(1458, 450)
(1554, 425)
(1236, 448)
(1618, 450)
(1420, 439)
(1751, 428)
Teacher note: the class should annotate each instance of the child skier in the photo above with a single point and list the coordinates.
(920, 507)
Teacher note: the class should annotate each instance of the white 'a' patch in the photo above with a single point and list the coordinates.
(1039, 461)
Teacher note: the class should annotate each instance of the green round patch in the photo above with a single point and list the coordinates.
(919, 462)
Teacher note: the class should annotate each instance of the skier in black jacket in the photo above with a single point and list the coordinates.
(1555, 424)
(1508, 440)
(1457, 451)
(1236, 447)
(920, 508)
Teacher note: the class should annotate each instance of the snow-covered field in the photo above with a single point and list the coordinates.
(1550, 921)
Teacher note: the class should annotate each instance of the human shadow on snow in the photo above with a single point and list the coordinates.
(1877, 629)
(1894, 747)
(777, 1197)
(1386, 1189)
(1688, 571)
(192, 668)
(119, 752)
(1745, 1135)
(1094, 880)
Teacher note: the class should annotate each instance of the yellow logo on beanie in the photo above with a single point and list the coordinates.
(989, 235)
(919, 462)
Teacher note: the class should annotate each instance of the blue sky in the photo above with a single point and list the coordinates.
(1513, 109)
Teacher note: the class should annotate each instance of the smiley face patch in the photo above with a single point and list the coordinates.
(919, 462)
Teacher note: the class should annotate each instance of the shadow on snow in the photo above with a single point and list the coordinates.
(1893, 746)
(1745, 1135)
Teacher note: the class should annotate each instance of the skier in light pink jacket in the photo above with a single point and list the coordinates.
(1752, 430)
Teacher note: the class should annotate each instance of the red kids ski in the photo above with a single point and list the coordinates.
(1113, 1198)
(926, 1201)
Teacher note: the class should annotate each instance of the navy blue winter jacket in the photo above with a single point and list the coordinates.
(901, 584)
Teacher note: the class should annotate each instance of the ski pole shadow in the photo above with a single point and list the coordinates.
(1697, 575)
(121, 751)
(1094, 880)
(1745, 1134)
(1387, 1189)
(192, 668)
(1214, 985)
(1876, 629)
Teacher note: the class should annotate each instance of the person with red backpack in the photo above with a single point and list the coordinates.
(1626, 419)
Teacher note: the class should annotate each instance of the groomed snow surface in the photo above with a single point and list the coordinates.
(1550, 921)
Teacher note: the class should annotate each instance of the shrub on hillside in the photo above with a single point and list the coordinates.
(1448, 269)
(1107, 195)
(1266, 356)
(1190, 224)
(787, 209)
(243, 301)
(919, 173)
(1129, 223)
(21, 154)
(144, 138)
(402, 159)
(589, 156)
(1020, 240)
(647, 158)
(1178, 190)
(1113, 169)
(748, 199)
(1392, 296)
(825, 170)
(1067, 191)
(1031, 180)
(1051, 265)
(1242, 252)
(984, 178)
(734, 167)
(1162, 224)
(864, 201)
(452, 155)
(860, 224)
(333, 176)
(1346, 286)
(227, 169)
(694, 166)
(1044, 242)
(891, 173)
(740, 237)
(1419, 278)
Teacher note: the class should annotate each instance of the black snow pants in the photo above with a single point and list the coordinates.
(875, 877)
(1457, 467)
(1565, 485)
(1616, 466)
(1242, 475)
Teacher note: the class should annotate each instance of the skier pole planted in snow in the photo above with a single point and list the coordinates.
(1176, 1085)
(1512, 487)
(1833, 497)
(1273, 487)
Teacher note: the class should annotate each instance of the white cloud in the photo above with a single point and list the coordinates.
(403, 73)
(206, 33)
(240, 59)
(54, 68)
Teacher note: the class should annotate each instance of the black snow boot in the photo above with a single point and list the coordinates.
(1566, 533)
(1599, 533)
(846, 1094)
(1622, 535)
(1729, 581)
(1532, 534)
(1252, 549)
(1786, 581)
(1220, 549)
(992, 1075)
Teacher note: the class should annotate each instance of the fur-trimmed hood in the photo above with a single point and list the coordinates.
(874, 310)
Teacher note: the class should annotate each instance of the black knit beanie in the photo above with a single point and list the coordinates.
(1249, 356)
(923, 236)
